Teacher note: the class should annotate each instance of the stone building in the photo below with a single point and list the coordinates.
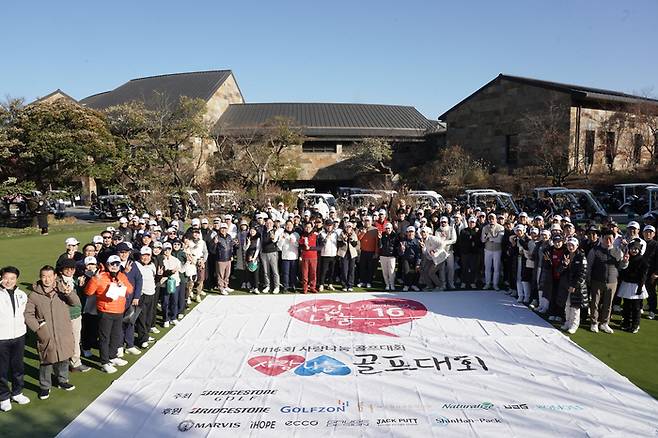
(602, 129)
(331, 129)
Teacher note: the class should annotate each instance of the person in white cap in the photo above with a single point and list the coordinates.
(448, 237)
(389, 243)
(492, 237)
(230, 226)
(368, 241)
(410, 256)
(159, 218)
(469, 246)
(381, 221)
(434, 254)
(170, 284)
(604, 261)
(520, 253)
(651, 256)
(125, 230)
(632, 232)
(632, 279)
(573, 288)
(223, 248)
(70, 253)
(146, 300)
(542, 246)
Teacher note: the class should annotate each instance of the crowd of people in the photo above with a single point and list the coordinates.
(114, 292)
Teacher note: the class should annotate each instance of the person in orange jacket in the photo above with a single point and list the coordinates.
(110, 288)
(369, 241)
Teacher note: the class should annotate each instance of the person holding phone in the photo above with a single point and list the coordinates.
(110, 288)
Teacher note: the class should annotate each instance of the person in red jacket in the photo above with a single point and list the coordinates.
(309, 257)
(110, 288)
(369, 241)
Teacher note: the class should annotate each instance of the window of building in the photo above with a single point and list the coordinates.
(638, 143)
(590, 138)
(610, 148)
(320, 147)
(512, 150)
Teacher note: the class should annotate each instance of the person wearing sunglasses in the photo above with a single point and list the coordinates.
(110, 288)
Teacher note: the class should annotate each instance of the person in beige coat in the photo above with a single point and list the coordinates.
(47, 314)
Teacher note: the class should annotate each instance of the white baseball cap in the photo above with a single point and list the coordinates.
(519, 227)
(71, 241)
(196, 221)
(534, 230)
(388, 225)
(204, 221)
(223, 225)
(113, 259)
(573, 241)
(91, 260)
(145, 250)
(123, 220)
(157, 244)
(158, 212)
(557, 217)
(145, 216)
(523, 214)
(152, 223)
(649, 228)
(633, 224)
(166, 245)
(556, 227)
(410, 228)
(97, 239)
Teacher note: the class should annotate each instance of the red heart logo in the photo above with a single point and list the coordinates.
(273, 366)
(366, 316)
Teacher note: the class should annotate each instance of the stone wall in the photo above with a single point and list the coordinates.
(225, 95)
(600, 121)
(482, 123)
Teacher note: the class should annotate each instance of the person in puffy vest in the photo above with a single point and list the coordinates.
(572, 285)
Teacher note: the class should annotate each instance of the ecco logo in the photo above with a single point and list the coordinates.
(301, 423)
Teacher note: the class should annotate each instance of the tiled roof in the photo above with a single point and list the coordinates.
(329, 119)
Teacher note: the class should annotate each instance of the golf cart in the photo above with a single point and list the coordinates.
(581, 202)
(364, 200)
(492, 199)
(186, 203)
(219, 201)
(630, 198)
(426, 197)
(313, 198)
(111, 206)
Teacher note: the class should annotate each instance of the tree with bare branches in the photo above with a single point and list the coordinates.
(265, 154)
(547, 135)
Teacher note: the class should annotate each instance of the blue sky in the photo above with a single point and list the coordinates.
(429, 54)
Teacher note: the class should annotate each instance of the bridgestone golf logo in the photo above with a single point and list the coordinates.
(239, 392)
(246, 410)
(484, 405)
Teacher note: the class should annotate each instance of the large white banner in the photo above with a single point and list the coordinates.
(374, 365)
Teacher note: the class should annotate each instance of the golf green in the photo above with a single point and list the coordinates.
(634, 356)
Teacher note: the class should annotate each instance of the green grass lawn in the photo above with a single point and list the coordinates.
(634, 356)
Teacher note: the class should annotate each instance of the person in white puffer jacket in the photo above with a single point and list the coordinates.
(288, 244)
(12, 339)
(448, 236)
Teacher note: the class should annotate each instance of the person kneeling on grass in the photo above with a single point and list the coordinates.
(12, 339)
(47, 313)
(110, 288)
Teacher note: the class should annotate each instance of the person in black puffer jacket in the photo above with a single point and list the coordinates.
(572, 285)
(632, 286)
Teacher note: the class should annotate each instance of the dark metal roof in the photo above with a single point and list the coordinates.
(201, 85)
(577, 91)
(329, 119)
